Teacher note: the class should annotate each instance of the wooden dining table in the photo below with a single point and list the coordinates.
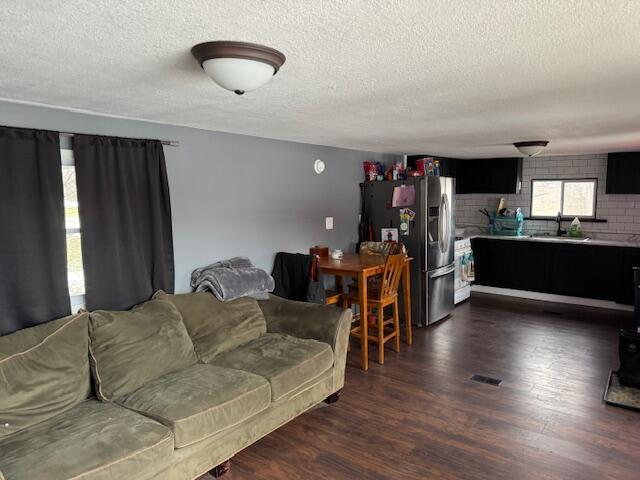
(362, 267)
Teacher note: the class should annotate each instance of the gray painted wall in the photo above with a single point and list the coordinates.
(234, 194)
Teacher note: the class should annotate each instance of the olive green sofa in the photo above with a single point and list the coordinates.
(168, 390)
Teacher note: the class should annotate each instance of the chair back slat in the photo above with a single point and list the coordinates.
(391, 275)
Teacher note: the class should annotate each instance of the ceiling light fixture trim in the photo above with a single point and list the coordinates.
(238, 66)
(531, 148)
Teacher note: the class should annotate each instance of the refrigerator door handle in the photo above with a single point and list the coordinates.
(440, 272)
(440, 226)
(445, 224)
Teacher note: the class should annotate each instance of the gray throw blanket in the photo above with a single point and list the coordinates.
(233, 278)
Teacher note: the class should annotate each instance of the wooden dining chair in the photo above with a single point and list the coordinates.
(332, 297)
(380, 296)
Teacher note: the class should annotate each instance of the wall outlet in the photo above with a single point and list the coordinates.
(328, 222)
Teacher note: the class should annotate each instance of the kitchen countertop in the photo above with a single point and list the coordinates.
(566, 240)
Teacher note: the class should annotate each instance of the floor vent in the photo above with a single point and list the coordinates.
(489, 380)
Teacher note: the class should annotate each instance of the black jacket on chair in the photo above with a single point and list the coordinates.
(292, 274)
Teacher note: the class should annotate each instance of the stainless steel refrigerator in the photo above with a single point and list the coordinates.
(429, 237)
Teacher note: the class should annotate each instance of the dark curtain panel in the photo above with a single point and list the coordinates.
(33, 253)
(125, 215)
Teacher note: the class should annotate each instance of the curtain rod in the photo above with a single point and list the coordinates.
(168, 143)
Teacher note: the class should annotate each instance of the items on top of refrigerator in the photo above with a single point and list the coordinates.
(428, 166)
(396, 172)
(425, 167)
(374, 171)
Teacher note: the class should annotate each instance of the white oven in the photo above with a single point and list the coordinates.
(464, 270)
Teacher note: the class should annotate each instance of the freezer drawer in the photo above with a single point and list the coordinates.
(440, 293)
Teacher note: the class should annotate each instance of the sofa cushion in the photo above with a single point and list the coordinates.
(44, 371)
(129, 349)
(93, 440)
(287, 362)
(201, 400)
(216, 327)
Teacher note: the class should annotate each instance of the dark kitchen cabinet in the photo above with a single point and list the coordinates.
(489, 175)
(577, 270)
(501, 263)
(623, 172)
(481, 175)
(583, 270)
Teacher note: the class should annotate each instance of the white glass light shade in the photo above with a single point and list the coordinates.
(530, 150)
(238, 74)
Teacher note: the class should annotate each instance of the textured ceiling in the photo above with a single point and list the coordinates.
(457, 78)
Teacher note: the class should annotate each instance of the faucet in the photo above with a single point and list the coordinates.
(560, 231)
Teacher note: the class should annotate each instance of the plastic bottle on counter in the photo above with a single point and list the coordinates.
(575, 230)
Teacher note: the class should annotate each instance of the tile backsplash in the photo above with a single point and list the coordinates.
(622, 212)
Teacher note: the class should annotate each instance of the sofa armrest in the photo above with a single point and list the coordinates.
(325, 323)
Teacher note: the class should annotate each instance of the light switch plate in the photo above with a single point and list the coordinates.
(328, 222)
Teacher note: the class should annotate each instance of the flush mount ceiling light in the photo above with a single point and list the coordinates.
(531, 148)
(238, 66)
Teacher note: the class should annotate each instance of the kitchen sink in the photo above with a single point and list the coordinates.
(549, 238)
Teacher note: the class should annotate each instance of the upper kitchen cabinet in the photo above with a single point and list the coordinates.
(482, 175)
(623, 172)
(489, 175)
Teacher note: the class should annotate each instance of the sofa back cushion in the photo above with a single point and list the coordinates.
(44, 371)
(216, 327)
(129, 349)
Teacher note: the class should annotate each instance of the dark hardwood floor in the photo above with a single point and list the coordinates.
(419, 416)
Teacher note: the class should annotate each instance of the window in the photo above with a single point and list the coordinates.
(75, 272)
(572, 198)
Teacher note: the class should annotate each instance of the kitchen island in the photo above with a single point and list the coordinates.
(594, 269)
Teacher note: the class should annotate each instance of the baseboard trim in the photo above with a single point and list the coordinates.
(548, 297)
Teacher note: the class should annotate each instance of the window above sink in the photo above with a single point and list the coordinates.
(570, 197)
